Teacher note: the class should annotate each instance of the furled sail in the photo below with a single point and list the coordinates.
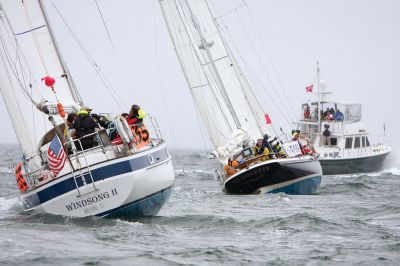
(220, 90)
(27, 54)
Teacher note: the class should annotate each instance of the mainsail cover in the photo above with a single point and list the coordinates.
(209, 73)
(27, 54)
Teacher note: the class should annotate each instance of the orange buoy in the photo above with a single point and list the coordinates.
(61, 111)
(21, 182)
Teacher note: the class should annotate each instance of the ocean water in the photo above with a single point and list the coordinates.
(353, 220)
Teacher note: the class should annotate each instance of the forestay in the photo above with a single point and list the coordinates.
(28, 53)
(219, 88)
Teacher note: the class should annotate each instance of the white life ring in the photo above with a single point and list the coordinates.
(123, 129)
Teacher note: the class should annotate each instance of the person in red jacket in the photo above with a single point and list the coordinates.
(136, 115)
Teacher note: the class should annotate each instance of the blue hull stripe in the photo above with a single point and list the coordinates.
(101, 173)
(147, 206)
(307, 186)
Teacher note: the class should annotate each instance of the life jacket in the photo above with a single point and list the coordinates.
(133, 120)
(230, 168)
(258, 150)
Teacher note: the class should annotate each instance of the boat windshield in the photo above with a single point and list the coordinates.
(353, 112)
(331, 111)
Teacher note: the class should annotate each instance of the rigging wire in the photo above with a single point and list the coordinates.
(185, 19)
(249, 69)
(244, 4)
(157, 54)
(268, 54)
(107, 84)
(11, 83)
(20, 72)
(254, 49)
(194, 58)
(35, 38)
(8, 57)
(180, 31)
(104, 23)
(209, 73)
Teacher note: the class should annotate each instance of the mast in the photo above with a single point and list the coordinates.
(228, 106)
(214, 67)
(75, 94)
(319, 100)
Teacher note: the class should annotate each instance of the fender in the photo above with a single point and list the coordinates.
(21, 182)
(123, 130)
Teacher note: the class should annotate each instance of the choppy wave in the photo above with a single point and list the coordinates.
(392, 171)
(8, 203)
(198, 172)
(5, 170)
(354, 219)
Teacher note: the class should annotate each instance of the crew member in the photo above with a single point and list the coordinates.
(230, 168)
(136, 115)
(84, 125)
(296, 137)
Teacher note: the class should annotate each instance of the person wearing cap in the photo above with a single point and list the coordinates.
(296, 137)
(85, 125)
(136, 115)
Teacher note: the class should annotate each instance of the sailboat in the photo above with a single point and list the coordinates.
(339, 135)
(129, 179)
(231, 112)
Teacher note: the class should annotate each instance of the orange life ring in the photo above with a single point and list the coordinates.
(21, 182)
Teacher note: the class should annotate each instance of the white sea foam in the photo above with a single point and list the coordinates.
(393, 171)
(193, 171)
(5, 170)
(6, 204)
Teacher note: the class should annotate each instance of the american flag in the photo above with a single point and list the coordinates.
(56, 156)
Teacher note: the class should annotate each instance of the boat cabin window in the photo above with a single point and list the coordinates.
(349, 143)
(353, 112)
(367, 141)
(357, 142)
(363, 141)
(333, 141)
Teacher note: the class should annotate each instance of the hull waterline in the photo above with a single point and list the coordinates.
(353, 165)
(291, 176)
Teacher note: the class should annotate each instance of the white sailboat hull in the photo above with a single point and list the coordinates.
(128, 188)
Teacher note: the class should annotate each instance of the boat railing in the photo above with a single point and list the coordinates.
(41, 174)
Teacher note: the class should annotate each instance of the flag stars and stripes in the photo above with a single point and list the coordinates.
(56, 156)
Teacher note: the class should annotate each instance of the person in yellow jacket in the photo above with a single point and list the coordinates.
(259, 149)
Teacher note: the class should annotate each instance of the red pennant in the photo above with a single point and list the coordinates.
(268, 119)
(309, 88)
(48, 81)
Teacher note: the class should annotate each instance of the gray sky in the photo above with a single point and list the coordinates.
(357, 43)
